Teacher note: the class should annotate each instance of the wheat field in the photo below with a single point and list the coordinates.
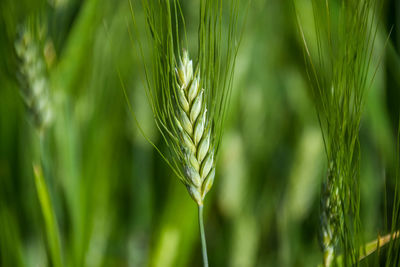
(125, 123)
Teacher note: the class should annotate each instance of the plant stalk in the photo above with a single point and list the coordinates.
(203, 237)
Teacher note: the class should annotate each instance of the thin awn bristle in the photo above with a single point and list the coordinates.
(194, 132)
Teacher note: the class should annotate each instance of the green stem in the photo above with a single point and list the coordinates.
(203, 237)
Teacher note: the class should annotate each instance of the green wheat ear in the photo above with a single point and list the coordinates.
(32, 75)
(194, 126)
(35, 90)
(339, 69)
(189, 98)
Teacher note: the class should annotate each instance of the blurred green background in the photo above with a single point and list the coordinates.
(116, 201)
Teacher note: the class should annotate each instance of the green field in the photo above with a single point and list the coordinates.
(81, 186)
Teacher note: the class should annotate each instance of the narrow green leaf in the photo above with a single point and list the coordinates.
(52, 232)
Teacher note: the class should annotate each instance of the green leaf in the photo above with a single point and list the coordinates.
(52, 232)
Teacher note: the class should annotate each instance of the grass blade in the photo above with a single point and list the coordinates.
(52, 232)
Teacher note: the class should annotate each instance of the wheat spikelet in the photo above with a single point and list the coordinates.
(194, 132)
(32, 78)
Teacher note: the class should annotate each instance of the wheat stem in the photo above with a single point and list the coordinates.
(203, 237)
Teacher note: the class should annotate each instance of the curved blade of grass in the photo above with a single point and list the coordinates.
(52, 232)
(370, 247)
(376, 244)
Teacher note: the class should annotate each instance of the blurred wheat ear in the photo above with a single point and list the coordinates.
(35, 91)
(339, 68)
(189, 98)
(32, 75)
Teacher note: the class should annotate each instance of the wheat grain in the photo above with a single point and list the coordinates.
(194, 131)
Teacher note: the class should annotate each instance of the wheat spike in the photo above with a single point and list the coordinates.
(194, 128)
(32, 78)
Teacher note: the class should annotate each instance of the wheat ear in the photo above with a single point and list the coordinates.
(189, 102)
(35, 91)
(32, 78)
(194, 132)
